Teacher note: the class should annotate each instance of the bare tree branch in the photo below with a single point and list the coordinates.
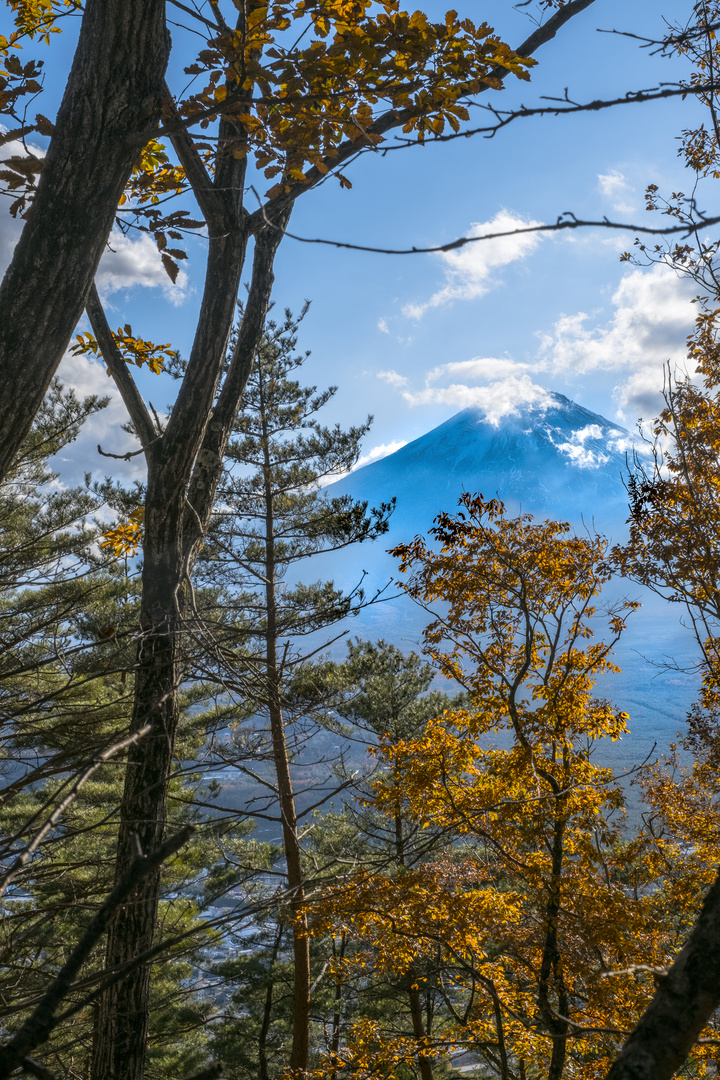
(566, 105)
(100, 759)
(548, 30)
(567, 220)
(38, 1026)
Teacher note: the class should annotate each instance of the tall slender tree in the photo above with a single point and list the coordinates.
(389, 698)
(274, 519)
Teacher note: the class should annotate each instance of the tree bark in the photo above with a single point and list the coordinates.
(109, 111)
(416, 1014)
(293, 855)
(551, 974)
(121, 1043)
(267, 1008)
(182, 480)
(685, 1000)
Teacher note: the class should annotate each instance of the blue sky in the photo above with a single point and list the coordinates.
(413, 339)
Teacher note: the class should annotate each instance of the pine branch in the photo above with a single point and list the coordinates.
(100, 759)
(43, 1020)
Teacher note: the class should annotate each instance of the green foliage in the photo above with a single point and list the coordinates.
(68, 619)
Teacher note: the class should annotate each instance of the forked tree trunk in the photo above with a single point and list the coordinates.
(184, 467)
(110, 109)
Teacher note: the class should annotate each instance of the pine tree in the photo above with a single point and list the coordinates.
(388, 698)
(273, 516)
(68, 619)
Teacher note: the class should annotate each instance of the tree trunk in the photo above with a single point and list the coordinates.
(291, 841)
(337, 1006)
(416, 1013)
(121, 1046)
(419, 1031)
(301, 942)
(179, 462)
(110, 109)
(551, 973)
(267, 1008)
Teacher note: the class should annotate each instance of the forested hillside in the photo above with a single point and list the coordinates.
(239, 839)
(363, 871)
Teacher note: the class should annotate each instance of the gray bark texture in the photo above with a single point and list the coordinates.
(184, 468)
(109, 111)
(683, 1003)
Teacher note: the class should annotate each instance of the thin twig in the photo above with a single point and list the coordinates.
(98, 760)
(43, 1020)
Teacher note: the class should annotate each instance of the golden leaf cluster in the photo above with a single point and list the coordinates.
(124, 539)
(539, 918)
(36, 19)
(134, 350)
(359, 64)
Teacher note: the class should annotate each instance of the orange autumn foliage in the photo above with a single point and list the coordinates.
(536, 918)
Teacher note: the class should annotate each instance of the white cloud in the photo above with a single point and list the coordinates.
(383, 326)
(626, 444)
(380, 451)
(480, 367)
(648, 329)
(614, 187)
(394, 378)
(127, 263)
(471, 271)
(87, 376)
(498, 399)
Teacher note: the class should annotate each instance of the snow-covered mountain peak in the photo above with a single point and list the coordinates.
(551, 457)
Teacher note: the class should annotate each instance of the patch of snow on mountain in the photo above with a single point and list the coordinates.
(586, 457)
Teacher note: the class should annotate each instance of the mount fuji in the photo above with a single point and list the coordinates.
(555, 459)
(552, 459)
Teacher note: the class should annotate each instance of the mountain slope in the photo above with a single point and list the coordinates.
(557, 461)
(562, 461)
